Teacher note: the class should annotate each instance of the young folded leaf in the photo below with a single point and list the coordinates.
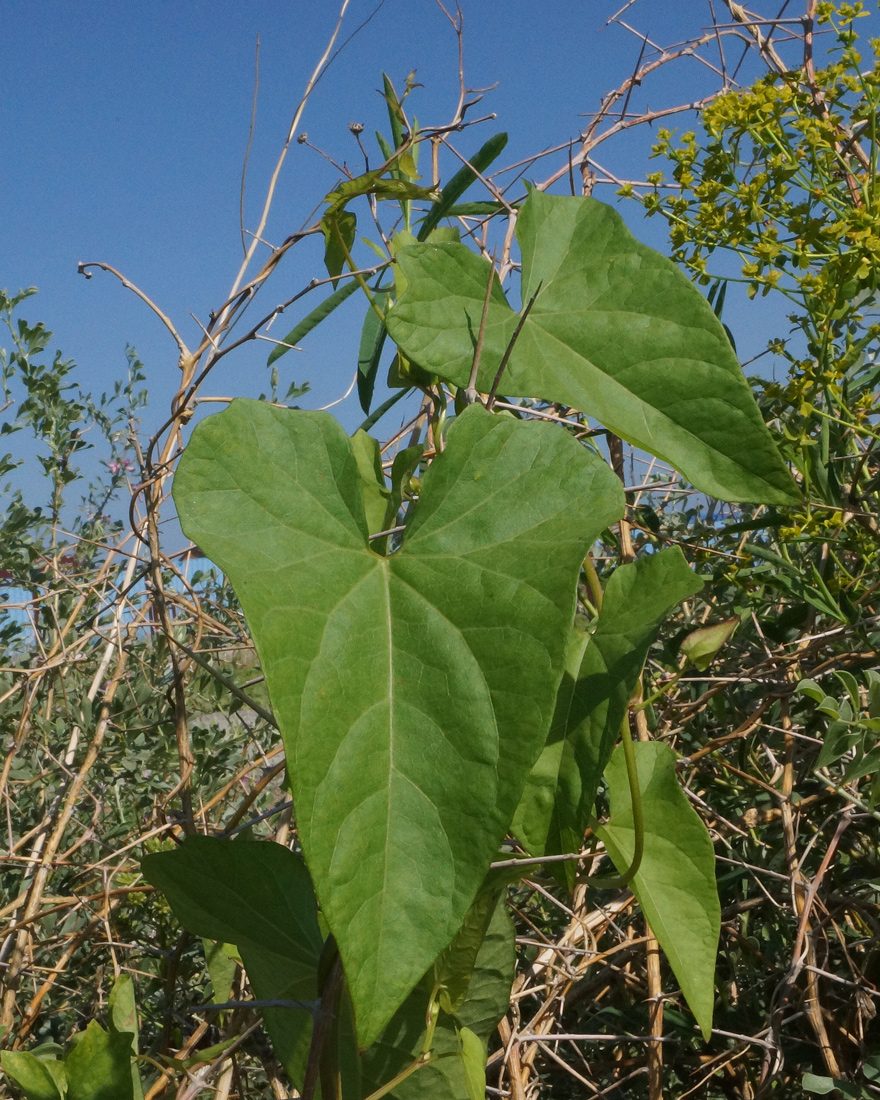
(456, 1065)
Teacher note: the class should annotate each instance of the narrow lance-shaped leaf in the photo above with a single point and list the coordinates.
(461, 181)
(675, 883)
(617, 331)
(413, 691)
(312, 320)
(372, 342)
(602, 671)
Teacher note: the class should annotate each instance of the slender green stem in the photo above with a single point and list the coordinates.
(664, 689)
(610, 882)
(594, 583)
(389, 1086)
(424, 1057)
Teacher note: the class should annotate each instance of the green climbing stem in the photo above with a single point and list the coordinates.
(632, 772)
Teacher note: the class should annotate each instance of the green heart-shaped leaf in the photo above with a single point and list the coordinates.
(99, 1066)
(616, 331)
(413, 691)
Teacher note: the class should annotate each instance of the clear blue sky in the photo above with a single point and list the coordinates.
(125, 126)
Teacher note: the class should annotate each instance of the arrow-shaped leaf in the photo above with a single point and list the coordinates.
(617, 331)
(413, 691)
(602, 670)
(675, 883)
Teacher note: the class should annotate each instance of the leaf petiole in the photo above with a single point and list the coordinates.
(610, 882)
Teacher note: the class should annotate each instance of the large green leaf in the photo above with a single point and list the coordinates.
(616, 331)
(413, 691)
(602, 670)
(447, 1076)
(258, 896)
(675, 883)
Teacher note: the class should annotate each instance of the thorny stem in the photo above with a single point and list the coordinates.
(294, 126)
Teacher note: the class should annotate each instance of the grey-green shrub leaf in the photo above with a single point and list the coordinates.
(602, 670)
(675, 884)
(413, 691)
(616, 331)
(99, 1066)
(32, 1075)
(258, 896)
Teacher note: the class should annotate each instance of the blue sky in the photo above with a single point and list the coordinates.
(125, 127)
